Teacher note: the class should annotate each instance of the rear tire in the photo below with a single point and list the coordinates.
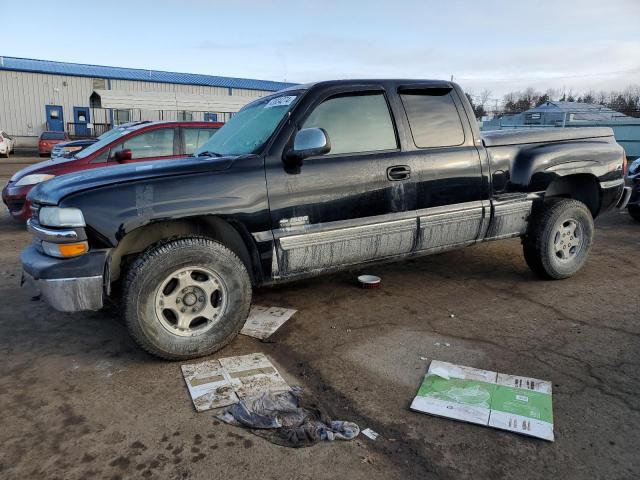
(634, 211)
(559, 238)
(186, 297)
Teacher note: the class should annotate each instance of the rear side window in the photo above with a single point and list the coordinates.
(194, 138)
(355, 123)
(52, 136)
(433, 118)
(155, 143)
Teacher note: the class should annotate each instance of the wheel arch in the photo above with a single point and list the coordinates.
(583, 187)
(230, 233)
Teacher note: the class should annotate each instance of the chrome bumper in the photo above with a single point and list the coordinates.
(624, 199)
(68, 294)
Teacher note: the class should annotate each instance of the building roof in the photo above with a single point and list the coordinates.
(135, 74)
(573, 107)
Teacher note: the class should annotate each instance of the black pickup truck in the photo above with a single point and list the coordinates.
(309, 180)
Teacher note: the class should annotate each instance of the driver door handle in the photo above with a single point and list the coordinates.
(399, 172)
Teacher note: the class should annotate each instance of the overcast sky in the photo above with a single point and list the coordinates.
(500, 45)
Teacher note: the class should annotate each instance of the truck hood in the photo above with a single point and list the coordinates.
(54, 190)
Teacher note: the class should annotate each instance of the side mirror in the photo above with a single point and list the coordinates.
(309, 142)
(123, 155)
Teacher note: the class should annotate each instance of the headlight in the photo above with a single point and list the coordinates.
(33, 179)
(61, 217)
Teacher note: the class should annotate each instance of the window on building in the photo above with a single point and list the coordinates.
(121, 116)
(194, 138)
(355, 123)
(433, 117)
(210, 117)
(54, 114)
(99, 84)
(185, 116)
(155, 143)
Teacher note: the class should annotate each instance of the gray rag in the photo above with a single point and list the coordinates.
(285, 419)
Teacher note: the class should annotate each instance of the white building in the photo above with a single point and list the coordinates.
(87, 100)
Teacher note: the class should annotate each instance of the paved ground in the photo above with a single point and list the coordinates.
(79, 400)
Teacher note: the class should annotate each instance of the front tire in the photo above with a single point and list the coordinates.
(634, 211)
(559, 238)
(186, 297)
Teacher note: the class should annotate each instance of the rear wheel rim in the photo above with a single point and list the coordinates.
(190, 301)
(568, 241)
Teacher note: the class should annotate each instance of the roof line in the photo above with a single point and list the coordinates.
(139, 74)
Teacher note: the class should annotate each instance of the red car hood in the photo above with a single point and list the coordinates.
(47, 166)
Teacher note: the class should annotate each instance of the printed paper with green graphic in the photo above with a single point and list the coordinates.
(518, 404)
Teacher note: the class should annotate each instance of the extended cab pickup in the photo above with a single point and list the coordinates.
(309, 180)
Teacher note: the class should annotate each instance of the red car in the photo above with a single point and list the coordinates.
(133, 142)
(48, 140)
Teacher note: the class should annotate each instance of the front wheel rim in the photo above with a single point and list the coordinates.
(568, 240)
(190, 301)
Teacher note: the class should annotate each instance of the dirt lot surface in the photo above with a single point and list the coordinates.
(80, 400)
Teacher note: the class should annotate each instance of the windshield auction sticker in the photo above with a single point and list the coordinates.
(280, 101)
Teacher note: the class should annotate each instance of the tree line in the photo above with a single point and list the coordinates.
(625, 101)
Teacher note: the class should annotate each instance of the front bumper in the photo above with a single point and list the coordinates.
(634, 181)
(67, 285)
(15, 198)
(624, 200)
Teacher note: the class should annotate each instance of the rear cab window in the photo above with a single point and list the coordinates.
(433, 117)
(355, 123)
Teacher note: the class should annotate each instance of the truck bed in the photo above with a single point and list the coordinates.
(500, 138)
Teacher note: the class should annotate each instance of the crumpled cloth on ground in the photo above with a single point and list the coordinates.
(286, 419)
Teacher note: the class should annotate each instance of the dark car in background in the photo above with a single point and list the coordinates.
(633, 206)
(47, 141)
(135, 142)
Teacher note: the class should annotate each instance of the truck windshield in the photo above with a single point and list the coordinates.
(103, 140)
(250, 128)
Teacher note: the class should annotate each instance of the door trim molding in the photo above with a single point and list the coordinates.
(325, 246)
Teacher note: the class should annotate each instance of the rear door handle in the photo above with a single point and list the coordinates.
(398, 172)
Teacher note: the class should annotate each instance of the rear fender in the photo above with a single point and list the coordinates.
(535, 167)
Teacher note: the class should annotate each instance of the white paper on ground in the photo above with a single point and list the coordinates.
(264, 321)
(219, 383)
(367, 432)
(253, 374)
(208, 385)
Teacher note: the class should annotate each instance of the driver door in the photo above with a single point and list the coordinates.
(344, 207)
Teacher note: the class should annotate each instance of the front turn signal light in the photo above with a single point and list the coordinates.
(65, 250)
